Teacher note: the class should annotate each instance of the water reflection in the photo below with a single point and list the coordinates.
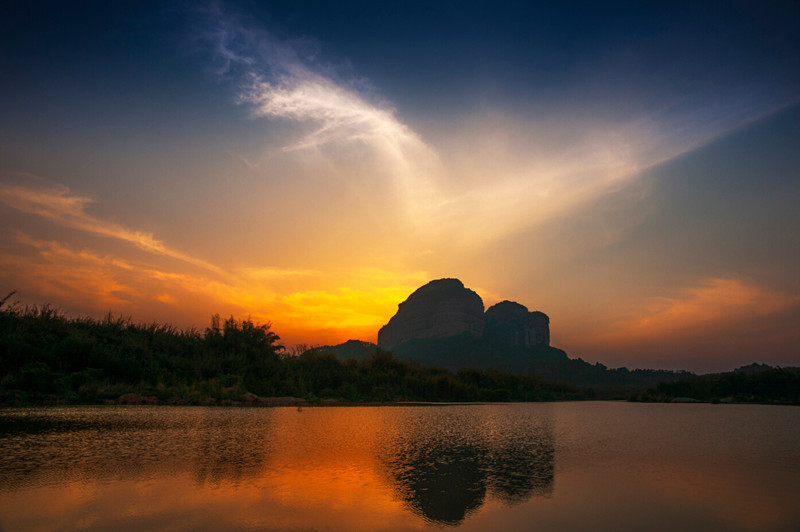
(61, 445)
(445, 462)
(441, 463)
(624, 466)
(230, 448)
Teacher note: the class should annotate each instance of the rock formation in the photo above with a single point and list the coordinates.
(440, 309)
(443, 325)
(445, 309)
(509, 323)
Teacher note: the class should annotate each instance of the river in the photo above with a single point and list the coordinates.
(502, 467)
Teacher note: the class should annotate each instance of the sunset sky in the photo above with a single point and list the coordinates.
(630, 169)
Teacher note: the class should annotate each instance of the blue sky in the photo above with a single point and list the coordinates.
(628, 168)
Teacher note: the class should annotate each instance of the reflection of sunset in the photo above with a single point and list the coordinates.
(478, 467)
(261, 469)
(335, 461)
(176, 501)
(355, 466)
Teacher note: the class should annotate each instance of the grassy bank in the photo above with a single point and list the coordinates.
(49, 358)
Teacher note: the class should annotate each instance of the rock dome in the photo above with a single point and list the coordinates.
(439, 309)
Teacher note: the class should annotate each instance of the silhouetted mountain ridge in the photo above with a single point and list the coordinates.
(439, 309)
(443, 324)
(349, 350)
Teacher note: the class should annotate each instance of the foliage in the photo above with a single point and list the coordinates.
(466, 351)
(752, 384)
(46, 357)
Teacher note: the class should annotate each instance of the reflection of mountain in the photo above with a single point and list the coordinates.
(443, 462)
(445, 465)
(523, 466)
(440, 483)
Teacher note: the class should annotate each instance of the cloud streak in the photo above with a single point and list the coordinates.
(709, 304)
(59, 205)
(550, 165)
(277, 82)
(329, 307)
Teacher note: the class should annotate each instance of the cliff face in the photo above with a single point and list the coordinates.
(509, 323)
(440, 309)
(540, 328)
(445, 308)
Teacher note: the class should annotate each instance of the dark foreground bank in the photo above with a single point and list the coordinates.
(48, 358)
(749, 384)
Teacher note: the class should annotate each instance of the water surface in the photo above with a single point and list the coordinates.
(556, 466)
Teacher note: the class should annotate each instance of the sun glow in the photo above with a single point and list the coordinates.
(352, 303)
(231, 163)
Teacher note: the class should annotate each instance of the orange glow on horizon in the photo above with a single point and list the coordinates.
(709, 304)
(354, 306)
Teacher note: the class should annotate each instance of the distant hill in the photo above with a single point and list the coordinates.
(443, 324)
(464, 352)
(445, 308)
(350, 350)
(439, 309)
(756, 383)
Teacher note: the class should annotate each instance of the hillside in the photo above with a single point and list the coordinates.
(443, 324)
(756, 383)
(465, 352)
(48, 358)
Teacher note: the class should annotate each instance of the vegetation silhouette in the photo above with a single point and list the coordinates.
(466, 352)
(46, 357)
(757, 383)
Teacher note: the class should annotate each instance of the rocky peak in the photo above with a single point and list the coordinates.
(440, 309)
(510, 323)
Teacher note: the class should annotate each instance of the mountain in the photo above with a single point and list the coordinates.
(445, 308)
(440, 309)
(443, 324)
(509, 323)
(351, 349)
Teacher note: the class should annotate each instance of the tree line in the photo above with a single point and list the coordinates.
(47, 357)
(762, 384)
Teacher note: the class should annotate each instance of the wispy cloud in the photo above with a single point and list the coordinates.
(63, 274)
(279, 82)
(484, 186)
(59, 204)
(327, 307)
(343, 115)
(708, 304)
(266, 274)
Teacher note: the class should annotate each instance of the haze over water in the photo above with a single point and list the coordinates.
(556, 466)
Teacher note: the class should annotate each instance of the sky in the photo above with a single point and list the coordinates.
(632, 169)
